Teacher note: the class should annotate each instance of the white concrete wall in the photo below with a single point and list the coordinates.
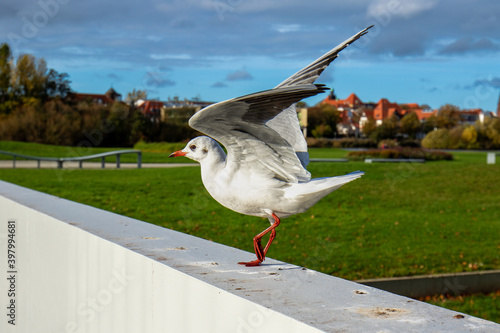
(81, 269)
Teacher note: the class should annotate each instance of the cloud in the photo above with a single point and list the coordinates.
(406, 8)
(157, 80)
(113, 76)
(239, 75)
(469, 44)
(493, 82)
(219, 84)
(284, 28)
(181, 56)
(405, 42)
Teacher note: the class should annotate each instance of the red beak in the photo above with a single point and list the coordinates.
(177, 153)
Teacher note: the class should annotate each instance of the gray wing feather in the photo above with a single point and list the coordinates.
(310, 73)
(240, 125)
(287, 125)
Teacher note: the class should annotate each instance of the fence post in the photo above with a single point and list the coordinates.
(118, 161)
(103, 162)
(139, 160)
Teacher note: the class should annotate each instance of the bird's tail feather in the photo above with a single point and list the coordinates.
(311, 192)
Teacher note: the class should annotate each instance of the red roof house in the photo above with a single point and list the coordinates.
(352, 101)
(385, 109)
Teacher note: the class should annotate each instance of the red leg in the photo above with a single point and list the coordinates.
(259, 251)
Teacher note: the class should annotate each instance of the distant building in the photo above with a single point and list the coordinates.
(385, 110)
(473, 115)
(470, 116)
(352, 101)
(354, 113)
(423, 112)
(172, 109)
(150, 109)
(109, 97)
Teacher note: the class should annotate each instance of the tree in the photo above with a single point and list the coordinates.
(57, 85)
(410, 124)
(430, 124)
(29, 77)
(469, 135)
(370, 127)
(438, 139)
(387, 130)
(323, 120)
(5, 71)
(448, 116)
(492, 131)
(322, 131)
(136, 95)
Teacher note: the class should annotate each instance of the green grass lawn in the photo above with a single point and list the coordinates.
(397, 220)
(484, 306)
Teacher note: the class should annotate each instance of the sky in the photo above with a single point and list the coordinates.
(432, 52)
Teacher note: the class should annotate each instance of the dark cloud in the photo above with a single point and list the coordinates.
(239, 76)
(469, 44)
(157, 80)
(493, 82)
(114, 76)
(400, 43)
(219, 84)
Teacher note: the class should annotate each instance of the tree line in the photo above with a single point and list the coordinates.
(36, 105)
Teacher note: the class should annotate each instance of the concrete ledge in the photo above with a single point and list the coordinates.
(81, 269)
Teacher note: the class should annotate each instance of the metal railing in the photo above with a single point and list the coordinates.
(80, 159)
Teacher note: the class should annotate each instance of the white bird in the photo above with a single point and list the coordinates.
(264, 172)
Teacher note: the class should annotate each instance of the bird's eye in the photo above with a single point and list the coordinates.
(192, 147)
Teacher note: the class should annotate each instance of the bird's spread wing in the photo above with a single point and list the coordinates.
(240, 125)
(310, 73)
(261, 131)
(287, 123)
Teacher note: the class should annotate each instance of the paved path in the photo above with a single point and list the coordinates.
(7, 164)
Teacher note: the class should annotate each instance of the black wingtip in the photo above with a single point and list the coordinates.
(365, 30)
(322, 88)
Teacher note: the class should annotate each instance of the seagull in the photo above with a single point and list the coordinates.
(264, 171)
